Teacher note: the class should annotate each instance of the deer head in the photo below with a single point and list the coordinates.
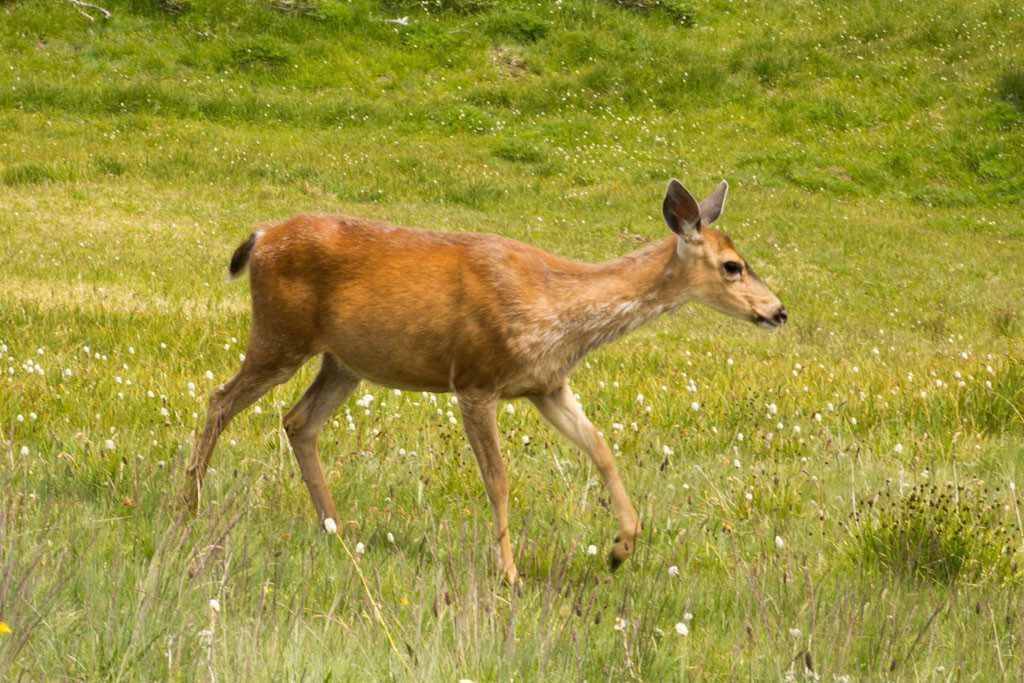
(717, 275)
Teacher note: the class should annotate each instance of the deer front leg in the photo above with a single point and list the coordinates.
(563, 411)
(479, 417)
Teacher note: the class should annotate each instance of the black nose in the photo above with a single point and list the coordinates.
(780, 317)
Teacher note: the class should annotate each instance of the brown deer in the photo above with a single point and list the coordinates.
(482, 316)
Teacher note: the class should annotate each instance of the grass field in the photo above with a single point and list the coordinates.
(839, 505)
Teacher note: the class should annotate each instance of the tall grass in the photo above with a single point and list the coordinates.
(873, 155)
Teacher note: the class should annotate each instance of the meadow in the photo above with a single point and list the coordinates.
(832, 501)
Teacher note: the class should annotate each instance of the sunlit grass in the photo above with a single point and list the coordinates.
(873, 153)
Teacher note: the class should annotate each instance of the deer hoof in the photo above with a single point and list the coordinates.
(189, 502)
(621, 551)
(512, 579)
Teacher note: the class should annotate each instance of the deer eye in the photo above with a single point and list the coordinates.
(732, 267)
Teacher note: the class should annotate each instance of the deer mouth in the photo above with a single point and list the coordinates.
(764, 322)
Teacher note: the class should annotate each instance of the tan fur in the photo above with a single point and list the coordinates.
(479, 315)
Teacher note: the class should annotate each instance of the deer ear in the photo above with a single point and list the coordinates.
(711, 206)
(680, 210)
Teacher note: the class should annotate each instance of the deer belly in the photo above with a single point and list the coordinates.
(394, 356)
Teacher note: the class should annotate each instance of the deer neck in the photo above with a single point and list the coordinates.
(614, 298)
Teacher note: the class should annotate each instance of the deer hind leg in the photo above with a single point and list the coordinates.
(563, 411)
(480, 419)
(333, 384)
(260, 372)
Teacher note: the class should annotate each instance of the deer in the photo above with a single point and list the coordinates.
(478, 315)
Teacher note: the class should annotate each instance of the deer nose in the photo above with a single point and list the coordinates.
(780, 316)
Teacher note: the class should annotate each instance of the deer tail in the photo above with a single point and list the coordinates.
(240, 259)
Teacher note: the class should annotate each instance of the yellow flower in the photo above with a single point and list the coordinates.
(4, 628)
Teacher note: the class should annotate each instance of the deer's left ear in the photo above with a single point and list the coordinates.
(711, 206)
(681, 211)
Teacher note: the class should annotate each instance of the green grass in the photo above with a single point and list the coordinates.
(873, 149)
(953, 533)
